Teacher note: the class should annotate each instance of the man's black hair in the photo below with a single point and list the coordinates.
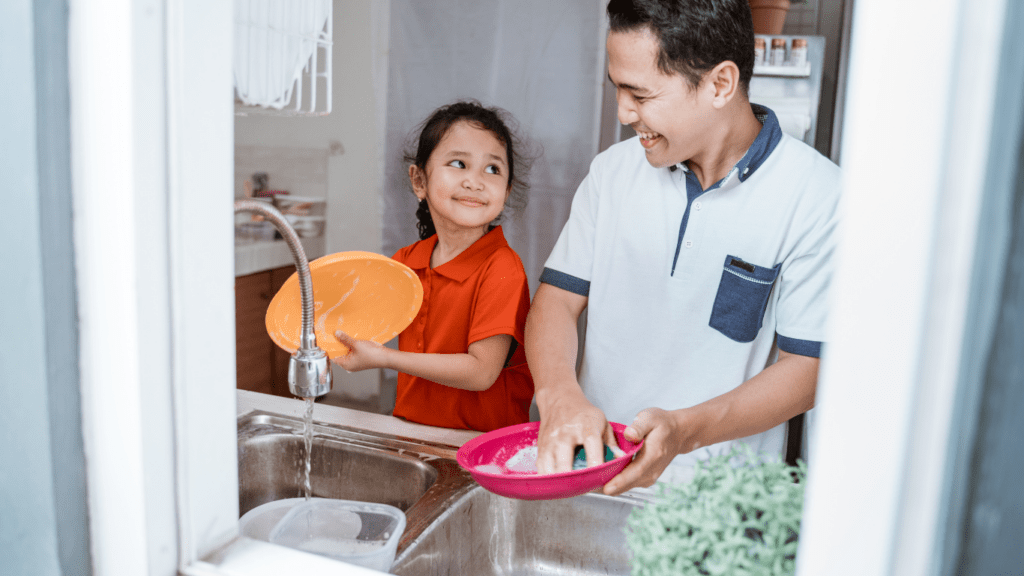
(694, 35)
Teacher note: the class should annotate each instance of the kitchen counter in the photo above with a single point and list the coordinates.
(260, 255)
(326, 414)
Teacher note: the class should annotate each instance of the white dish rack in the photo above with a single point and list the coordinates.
(283, 57)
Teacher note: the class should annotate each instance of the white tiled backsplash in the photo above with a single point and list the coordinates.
(300, 171)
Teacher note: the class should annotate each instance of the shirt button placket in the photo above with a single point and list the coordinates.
(424, 310)
(696, 208)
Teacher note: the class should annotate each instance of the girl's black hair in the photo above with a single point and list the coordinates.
(694, 35)
(494, 120)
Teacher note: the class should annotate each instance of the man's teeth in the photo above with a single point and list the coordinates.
(648, 135)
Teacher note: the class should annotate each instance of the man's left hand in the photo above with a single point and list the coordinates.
(663, 435)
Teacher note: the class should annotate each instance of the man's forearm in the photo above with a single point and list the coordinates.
(552, 341)
(773, 396)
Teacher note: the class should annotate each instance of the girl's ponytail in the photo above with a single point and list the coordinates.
(424, 222)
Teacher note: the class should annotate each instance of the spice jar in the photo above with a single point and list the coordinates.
(759, 51)
(777, 57)
(798, 52)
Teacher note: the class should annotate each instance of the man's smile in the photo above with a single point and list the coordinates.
(647, 138)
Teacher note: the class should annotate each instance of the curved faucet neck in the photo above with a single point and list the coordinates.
(309, 371)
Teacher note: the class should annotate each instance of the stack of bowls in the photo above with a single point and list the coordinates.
(306, 214)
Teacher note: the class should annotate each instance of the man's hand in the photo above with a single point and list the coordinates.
(362, 354)
(663, 435)
(770, 398)
(567, 422)
(567, 418)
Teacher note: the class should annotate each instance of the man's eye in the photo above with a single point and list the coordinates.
(457, 164)
(492, 169)
(638, 99)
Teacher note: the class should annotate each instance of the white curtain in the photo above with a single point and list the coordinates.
(542, 60)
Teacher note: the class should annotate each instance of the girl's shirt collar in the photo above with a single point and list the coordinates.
(463, 265)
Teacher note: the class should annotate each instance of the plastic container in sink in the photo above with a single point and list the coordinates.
(260, 521)
(360, 533)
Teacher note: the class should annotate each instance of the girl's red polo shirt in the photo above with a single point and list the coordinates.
(480, 293)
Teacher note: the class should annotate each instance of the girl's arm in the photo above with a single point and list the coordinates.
(476, 370)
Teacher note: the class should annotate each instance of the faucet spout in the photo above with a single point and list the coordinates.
(309, 369)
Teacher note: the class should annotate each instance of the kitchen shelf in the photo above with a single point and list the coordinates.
(784, 70)
(252, 257)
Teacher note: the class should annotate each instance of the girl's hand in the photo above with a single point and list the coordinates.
(362, 354)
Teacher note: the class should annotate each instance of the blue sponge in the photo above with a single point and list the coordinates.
(579, 461)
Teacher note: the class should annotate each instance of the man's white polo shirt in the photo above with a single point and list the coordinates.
(690, 290)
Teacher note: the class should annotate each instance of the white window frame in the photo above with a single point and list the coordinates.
(152, 154)
(917, 143)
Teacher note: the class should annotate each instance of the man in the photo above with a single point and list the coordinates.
(701, 249)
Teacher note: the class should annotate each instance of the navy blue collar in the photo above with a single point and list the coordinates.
(765, 142)
(767, 139)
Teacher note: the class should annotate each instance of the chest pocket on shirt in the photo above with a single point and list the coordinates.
(742, 298)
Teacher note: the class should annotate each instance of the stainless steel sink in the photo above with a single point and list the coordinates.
(453, 526)
(484, 534)
(347, 464)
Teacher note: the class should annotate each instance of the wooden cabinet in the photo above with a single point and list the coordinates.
(260, 365)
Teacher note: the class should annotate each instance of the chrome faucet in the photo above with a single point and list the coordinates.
(309, 369)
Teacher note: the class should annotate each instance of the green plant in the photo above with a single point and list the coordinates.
(738, 516)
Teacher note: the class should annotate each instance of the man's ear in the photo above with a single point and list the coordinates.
(723, 82)
(418, 180)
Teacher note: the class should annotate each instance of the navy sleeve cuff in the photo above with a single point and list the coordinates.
(565, 281)
(801, 347)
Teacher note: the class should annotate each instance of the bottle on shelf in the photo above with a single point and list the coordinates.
(798, 52)
(777, 57)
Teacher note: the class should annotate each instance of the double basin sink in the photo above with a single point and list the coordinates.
(453, 526)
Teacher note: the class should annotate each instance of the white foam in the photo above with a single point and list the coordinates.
(524, 461)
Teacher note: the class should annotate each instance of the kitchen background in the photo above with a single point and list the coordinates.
(395, 62)
(118, 429)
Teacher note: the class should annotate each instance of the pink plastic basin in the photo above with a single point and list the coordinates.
(493, 449)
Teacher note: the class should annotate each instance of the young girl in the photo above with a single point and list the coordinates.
(461, 362)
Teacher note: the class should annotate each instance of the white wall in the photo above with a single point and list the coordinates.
(349, 141)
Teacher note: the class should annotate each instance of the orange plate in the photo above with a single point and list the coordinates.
(369, 296)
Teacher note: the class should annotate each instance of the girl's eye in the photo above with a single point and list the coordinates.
(492, 169)
(457, 164)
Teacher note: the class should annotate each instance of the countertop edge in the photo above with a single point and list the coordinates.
(248, 401)
(255, 257)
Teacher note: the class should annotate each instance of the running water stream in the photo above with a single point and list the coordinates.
(307, 434)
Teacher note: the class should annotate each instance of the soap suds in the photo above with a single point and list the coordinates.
(524, 461)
